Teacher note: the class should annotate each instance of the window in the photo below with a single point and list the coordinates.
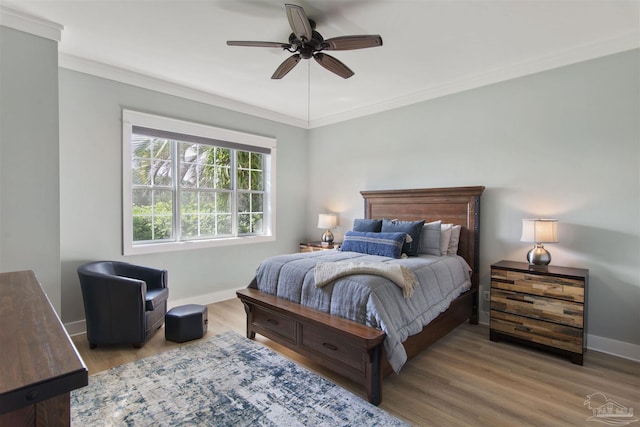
(188, 185)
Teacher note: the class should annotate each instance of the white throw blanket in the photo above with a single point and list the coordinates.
(327, 272)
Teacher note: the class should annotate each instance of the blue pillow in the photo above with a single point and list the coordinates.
(383, 244)
(371, 225)
(412, 228)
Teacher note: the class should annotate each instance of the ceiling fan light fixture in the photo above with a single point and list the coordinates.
(305, 43)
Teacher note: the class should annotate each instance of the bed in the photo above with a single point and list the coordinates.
(353, 349)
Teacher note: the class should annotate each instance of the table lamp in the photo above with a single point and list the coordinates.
(539, 231)
(327, 222)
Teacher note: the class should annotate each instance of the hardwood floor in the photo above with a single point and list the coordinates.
(463, 380)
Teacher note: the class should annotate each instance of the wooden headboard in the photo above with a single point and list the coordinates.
(455, 205)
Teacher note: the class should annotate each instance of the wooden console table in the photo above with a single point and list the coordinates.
(39, 365)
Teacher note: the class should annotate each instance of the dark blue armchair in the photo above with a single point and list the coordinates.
(123, 303)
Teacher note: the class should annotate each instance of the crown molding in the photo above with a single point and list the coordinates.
(144, 81)
(559, 59)
(556, 60)
(30, 24)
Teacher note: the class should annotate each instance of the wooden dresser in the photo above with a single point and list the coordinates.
(540, 306)
(39, 365)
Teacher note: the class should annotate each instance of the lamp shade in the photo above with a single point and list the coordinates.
(327, 221)
(539, 231)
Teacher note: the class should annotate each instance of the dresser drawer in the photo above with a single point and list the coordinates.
(547, 333)
(334, 347)
(283, 326)
(536, 284)
(550, 309)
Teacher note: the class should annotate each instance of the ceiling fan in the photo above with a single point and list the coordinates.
(305, 42)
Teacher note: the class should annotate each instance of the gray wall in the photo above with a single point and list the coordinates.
(91, 193)
(29, 170)
(559, 144)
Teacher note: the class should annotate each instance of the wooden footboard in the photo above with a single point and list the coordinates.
(343, 346)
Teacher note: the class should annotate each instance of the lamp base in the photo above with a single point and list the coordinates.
(539, 255)
(327, 237)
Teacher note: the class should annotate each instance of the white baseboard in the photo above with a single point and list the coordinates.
(616, 348)
(80, 327)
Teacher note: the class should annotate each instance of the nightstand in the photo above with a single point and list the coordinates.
(542, 307)
(318, 246)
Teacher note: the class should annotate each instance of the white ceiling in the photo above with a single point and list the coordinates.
(431, 48)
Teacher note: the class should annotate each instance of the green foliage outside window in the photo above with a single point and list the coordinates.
(205, 190)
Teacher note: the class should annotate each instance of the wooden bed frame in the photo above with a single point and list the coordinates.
(354, 350)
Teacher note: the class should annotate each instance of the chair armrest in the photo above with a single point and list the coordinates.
(153, 277)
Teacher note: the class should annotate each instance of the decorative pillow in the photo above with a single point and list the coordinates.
(455, 239)
(430, 239)
(445, 237)
(371, 225)
(383, 244)
(412, 228)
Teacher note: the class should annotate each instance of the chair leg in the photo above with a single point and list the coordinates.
(138, 345)
(92, 345)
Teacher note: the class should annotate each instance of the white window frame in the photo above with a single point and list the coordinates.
(134, 118)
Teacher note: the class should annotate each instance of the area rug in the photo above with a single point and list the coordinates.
(227, 380)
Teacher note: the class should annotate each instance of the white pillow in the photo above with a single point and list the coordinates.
(430, 238)
(445, 237)
(455, 239)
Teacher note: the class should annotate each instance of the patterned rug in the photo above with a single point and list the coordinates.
(226, 380)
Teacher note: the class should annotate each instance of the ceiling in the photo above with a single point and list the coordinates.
(431, 48)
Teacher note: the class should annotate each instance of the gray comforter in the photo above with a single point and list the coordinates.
(368, 299)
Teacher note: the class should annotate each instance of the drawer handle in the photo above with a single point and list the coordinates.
(523, 329)
(33, 395)
(329, 346)
(273, 322)
(512, 298)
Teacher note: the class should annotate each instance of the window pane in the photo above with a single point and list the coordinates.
(141, 171)
(244, 223)
(161, 149)
(140, 146)
(142, 215)
(256, 161)
(244, 202)
(223, 178)
(162, 214)
(257, 223)
(257, 202)
(161, 171)
(207, 225)
(256, 180)
(243, 179)
(188, 202)
(224, 224)
(189, 226)
(223, 202)
(244, 159)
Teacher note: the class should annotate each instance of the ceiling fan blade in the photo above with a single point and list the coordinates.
(333, 65)
(258, 44)
(352, 42)
(299, 22)
(286, 66)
